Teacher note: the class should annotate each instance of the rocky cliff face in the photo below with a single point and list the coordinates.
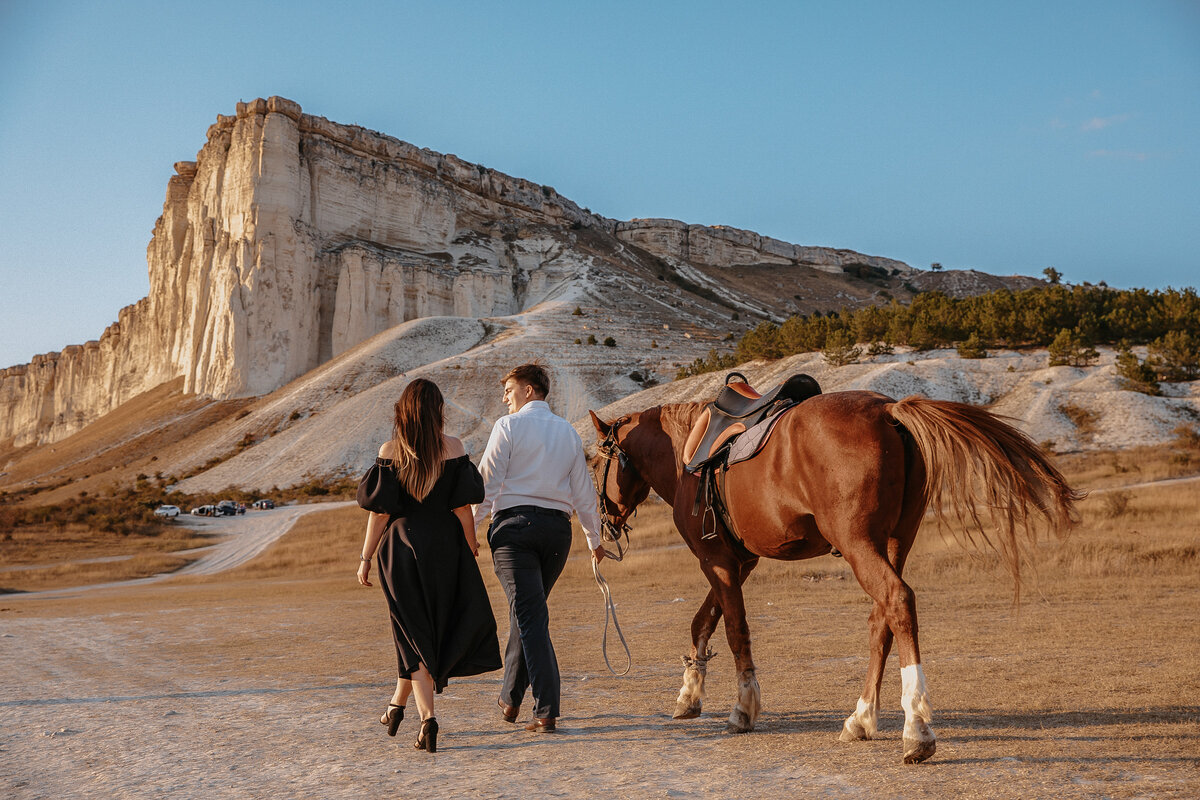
(291, 239)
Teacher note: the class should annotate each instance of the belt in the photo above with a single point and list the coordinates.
(512, 511)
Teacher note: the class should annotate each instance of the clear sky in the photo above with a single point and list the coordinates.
(1004, 136)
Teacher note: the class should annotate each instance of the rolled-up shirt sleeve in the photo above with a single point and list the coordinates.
(583, 498)
(493, 466)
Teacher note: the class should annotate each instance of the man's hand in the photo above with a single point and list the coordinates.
(598, 554)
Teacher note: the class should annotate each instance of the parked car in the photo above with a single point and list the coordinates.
(264, 504)
(204, 511)
(166, 511)
(228, 508)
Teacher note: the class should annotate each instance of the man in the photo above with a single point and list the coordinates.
(534, 474)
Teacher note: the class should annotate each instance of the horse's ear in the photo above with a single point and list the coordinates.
(602, 427)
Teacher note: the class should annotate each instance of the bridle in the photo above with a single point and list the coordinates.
(611, 531)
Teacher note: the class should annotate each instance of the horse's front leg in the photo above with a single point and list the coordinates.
(695, 665)
(726, 578)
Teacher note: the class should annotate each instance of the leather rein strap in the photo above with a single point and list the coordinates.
(610, 451)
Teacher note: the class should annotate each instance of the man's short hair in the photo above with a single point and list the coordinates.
(531, 375)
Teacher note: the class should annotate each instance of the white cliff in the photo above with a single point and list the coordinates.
(292, 239)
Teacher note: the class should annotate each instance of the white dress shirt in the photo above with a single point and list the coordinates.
(535, 458)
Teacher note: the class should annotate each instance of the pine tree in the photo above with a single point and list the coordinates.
(1070, 349)
(840, 349)
(972, 347)
(1136, 376)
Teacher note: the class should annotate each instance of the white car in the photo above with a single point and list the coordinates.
(167, 511)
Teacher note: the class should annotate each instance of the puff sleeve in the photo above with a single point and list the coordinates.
(468, 483)
(379, 490)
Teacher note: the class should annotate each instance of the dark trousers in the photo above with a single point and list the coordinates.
(529, 550)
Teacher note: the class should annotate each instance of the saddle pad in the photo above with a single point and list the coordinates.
(749, 444)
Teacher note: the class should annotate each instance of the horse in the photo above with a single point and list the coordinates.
(848, 471)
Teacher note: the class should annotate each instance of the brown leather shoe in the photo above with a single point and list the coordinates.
(508, 712)
(541, 725)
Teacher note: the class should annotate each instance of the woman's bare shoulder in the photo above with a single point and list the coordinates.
(387, 449)
(454, 446)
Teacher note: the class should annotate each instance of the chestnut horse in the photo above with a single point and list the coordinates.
(851, 471)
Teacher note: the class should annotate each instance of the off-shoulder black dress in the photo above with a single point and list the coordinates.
(440, 612)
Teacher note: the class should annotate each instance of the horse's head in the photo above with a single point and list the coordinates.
(619, 485)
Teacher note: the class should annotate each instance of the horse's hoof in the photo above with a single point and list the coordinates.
(916, 751)
(739, 722)
(683, 711)
(853, 731)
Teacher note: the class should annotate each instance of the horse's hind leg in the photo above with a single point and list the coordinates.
(899, 610)
(695, 666)
(864, 722)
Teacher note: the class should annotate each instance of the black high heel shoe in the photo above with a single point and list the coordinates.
(427, 738)
(392, 718)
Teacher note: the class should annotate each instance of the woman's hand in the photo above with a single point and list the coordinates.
(474, 545)
(364, 573)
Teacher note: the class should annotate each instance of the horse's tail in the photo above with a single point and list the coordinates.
(974, 459)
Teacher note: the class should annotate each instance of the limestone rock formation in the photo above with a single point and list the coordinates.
(290, 239)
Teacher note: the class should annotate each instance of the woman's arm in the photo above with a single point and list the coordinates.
(468, 525)
(376, 523)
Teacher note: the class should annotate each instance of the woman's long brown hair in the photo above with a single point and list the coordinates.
(417, 437)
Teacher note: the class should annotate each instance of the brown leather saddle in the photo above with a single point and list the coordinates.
(737, 408)
(734, 427)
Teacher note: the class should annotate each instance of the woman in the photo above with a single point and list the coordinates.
(419, 493)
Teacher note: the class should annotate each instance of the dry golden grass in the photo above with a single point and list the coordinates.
(62, 576)
(1103, 469)
(113, 450)
(50, 558)
(321, 544)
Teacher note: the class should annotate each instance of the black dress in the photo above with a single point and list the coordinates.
(441, 615)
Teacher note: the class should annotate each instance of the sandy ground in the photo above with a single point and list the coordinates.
(243, 689)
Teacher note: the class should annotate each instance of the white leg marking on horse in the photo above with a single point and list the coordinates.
(692, 691)
(745, 713)
(919, 741)
(862, 724)
(691, 694)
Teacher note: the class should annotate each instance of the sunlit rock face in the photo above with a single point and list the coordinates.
(291, 239)
(721, 246)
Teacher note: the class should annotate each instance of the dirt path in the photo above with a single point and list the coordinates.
(248, 535)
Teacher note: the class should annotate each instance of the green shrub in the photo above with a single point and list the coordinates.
(712, 363)
(1070, 349)
(840, 349)
(1176, 356)
(972, 347)
(1135, 375)
(880, 349)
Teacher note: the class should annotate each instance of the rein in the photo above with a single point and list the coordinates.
(610, 610)
(609, 532)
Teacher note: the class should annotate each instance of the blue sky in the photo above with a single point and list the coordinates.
(1006, 137)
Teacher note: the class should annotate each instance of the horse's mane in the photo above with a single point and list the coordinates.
(676, 420)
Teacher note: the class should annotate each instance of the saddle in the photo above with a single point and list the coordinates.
(736, 409)
(732, 428)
